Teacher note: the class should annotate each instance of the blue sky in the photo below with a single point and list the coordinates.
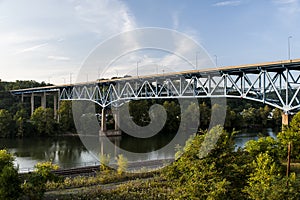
(49, 39)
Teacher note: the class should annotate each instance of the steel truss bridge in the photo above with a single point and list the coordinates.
(273, 83)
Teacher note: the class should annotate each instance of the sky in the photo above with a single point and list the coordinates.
(49, 40)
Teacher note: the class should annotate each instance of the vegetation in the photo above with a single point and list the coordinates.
(122, 164)
(255, 172)
(224, 173)
(9, 179)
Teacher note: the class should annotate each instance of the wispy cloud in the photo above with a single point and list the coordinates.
(227, 3)
(175, 19)
(289, 10)
(33, 48)
(59, 58)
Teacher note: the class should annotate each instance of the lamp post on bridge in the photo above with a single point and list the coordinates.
(71, 78)
(197, 60)
(216, 60)
(137, 68)
(289, 47)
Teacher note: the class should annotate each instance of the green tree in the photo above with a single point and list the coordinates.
(249, 116)
(173, 116)
(291, 134)
(21, 118)
(222, 172)
(35, 185)
(266, 182)
(277, 116)
(6, 159)
(44, 122)
(9, 179)
(139, 110)
(66, 116)
(264, 114)
(6, 124)
(267, 145)
(205, 113)
(10, 184)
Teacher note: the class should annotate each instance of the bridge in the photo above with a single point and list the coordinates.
(274, 83)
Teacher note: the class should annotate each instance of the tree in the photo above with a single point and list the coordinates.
(44, 122)
(6, 159)
(9, 179)
(173, 116)
(35, 185)
(291, 134)
(21, 118)
(266, 182)
(66, 116)
(267, 145)
(277, 116)
(139, 110)
(249, 116)
(6, 124)
(264, 114)
(10, 187)
(222, 172)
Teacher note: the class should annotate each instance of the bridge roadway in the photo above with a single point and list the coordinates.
(275, 66)
(273, 83)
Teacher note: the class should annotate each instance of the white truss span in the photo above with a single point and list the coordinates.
(276, 85)
(273, 83)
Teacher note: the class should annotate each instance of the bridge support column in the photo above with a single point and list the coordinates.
(285, 119)
(103, 129)
(32, 103)
(117, 120)
(103, 123)
(55, 106)
(43, 100)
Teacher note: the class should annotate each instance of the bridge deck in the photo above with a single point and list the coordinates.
(253, 68)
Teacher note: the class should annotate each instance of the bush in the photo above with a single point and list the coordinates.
(122, 164)
(104, 162)
(9, 178)
(9, 183)
(266, 182)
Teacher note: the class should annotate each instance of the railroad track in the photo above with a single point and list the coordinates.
(92, 170)
(89, 170)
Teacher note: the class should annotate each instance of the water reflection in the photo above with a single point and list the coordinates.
(245, 135)
(65, 151)
(70, 151)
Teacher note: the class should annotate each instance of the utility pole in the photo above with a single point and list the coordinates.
(70, 78)
(216, 60)
(137, 68)
(289, 47)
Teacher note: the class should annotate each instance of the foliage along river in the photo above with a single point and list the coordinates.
(68, 151)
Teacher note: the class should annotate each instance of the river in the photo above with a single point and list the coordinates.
(69, 151)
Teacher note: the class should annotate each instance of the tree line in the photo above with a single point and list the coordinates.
(16, 121)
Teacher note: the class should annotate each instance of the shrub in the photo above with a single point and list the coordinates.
(122, 164)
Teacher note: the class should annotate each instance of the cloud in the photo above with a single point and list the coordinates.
(175, 19)
(32, 48)
(58, 58)
(289, 11)
(227, 3)
(104, 17)
(43, 31)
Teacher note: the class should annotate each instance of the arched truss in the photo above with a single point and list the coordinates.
(277, 85)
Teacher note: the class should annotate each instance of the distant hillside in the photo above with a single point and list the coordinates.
(8, 101)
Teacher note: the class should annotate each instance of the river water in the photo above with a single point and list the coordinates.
(69, 151)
